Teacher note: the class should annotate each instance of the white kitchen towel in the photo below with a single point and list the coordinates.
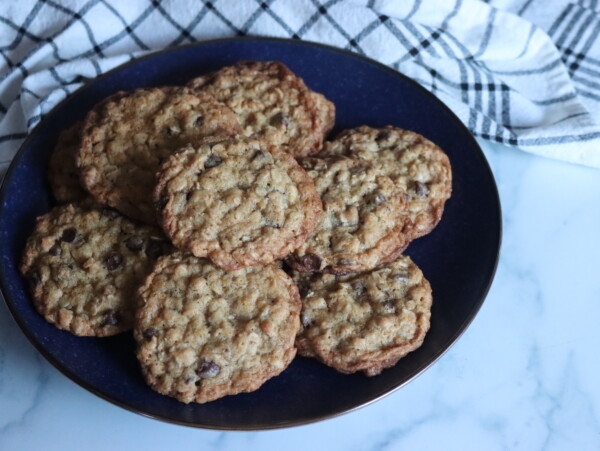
(524, 73)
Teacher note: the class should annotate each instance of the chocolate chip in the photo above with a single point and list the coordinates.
(34, 278)
(311, 262)
(109, 213)
(382, 135)
(172, 131)
(258, 155)
(212, 161)
(280, 120)
(155, 249)
(68, 235)
(199, 121)
(162, 202)
(134, 243)
(149, 333)
(188, 195)
(390, 304)
(55, 250)
(110, 318)
(207, 369)
(421, 189)
(113, 260)
(303, 289)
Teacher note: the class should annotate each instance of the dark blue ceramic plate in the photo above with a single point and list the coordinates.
(459, 257)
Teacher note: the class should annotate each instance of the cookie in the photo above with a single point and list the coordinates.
(85, 265)
(62, 173)
(362, 222)
(239, 202)
(127, 137)
(414, 163)
(326, 110)
(366, 321)
(204, 333)
(273, 104)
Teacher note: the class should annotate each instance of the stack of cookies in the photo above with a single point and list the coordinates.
(215, 221)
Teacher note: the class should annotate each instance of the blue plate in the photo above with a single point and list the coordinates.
(459, 257)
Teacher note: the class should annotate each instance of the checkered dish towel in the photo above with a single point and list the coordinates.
(524, 73)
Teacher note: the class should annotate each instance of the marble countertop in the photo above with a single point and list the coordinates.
(523, 376)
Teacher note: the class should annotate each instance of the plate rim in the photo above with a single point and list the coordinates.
(270, 426)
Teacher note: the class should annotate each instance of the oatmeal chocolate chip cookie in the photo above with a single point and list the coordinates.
(362, 222)
(62, 173)
(326, 110)
(204, 333)
(366, 321)
(84, 267)
(414, 163)
(239, 202)
(128, 136)
(273, 104)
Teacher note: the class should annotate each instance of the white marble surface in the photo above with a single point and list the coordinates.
(525, 375)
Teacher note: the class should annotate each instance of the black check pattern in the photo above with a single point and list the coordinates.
(505, 92)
